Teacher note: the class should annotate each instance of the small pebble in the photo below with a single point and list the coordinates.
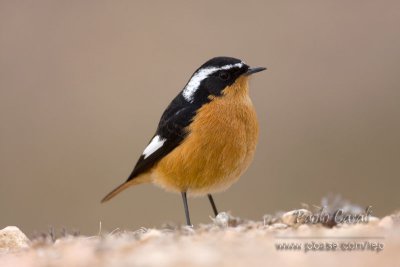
(11, 238)
(295, 217)
(279, 226)
(224, 220)
(386, 222)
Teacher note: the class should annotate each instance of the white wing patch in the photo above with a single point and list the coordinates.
(202, 74)
(154, 145)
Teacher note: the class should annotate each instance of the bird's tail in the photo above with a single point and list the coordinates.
(136, 181)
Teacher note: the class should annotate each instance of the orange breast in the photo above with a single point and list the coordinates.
(220, 145)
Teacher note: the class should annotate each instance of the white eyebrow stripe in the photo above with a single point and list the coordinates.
(202, 74)
(154, 145)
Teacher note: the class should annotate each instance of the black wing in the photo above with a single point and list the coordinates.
(172, 127)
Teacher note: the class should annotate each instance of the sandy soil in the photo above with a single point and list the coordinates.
(226, 241)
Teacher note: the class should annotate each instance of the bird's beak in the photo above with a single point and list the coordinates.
(254, 70)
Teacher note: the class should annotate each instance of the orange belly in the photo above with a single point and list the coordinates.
(218, 149)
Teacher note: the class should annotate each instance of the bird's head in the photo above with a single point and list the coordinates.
(216, 75)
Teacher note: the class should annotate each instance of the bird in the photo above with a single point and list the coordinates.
(206, 137)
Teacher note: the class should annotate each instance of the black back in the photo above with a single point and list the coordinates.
(180, 112)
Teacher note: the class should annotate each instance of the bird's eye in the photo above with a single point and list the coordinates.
(224, 76)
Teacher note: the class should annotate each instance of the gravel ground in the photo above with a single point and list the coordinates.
(226, 241)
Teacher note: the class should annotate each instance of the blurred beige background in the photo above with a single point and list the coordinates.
(83, 84)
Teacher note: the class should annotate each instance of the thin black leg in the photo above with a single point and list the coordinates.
(213, 204)
(185, 205)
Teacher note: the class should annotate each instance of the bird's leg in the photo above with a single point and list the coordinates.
(213, 204)
(185, 205)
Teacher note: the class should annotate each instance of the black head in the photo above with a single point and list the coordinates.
(215, 75)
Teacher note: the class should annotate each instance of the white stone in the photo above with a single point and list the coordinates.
(11, 238)
(295, 216)
(224, 220)
(372, 220)
(386, 222)
(277, 226)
